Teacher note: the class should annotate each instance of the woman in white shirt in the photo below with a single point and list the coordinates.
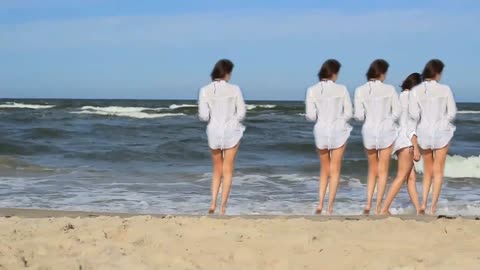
(222, 105)
(377, 104)
(328, 103)
(433, 105)
(407, 150)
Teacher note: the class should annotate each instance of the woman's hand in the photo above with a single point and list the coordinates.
(416, 154)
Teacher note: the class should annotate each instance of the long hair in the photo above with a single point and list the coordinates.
(221, 69)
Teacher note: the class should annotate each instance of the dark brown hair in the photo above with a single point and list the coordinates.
(377, 68)
(432, 68)
(328, 69)
(411, 81)
(221, 69)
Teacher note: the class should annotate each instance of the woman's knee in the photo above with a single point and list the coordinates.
(227, 169)
(334, 170)
(437, 171)
(412, 178)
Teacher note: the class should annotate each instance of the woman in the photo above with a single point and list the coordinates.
(377, 104)
(433, 105)
(222, 104)
(406, 149)
(328, 103)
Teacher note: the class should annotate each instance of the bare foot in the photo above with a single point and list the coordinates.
(421, 212)
(318, 211)
(211, 211)
(329, 211)
(433, 210)
(385, 213)
(366, 211)
(222, 210)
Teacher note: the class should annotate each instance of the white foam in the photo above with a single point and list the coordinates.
(249, 106)
(458, 166)
(118, 109)
(251, 194)
(140, 115)
(263, 106)
(14, 105)
(132, 112)
(175, 106)
(468, 112)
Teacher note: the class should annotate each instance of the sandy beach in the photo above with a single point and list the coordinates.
(35, 239)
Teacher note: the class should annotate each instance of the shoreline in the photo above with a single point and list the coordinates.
(54, 213)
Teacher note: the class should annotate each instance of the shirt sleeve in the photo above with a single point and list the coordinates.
(310, 109)
(396, 106)
(203, 109)
(413, 107)
(359, 107)
(240, 105)
(347, 106)
(451, 105)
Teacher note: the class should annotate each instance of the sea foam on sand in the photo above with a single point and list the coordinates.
(145, 242)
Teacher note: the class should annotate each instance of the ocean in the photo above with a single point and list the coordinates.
(151, 156)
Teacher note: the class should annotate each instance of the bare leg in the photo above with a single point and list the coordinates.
(405, 164)
(427, 176)
(217, 161)
(438, 168)
(412, 190)
(228, 166)
(383, 164)
(372, 156)
(324, 156)
(335, 168)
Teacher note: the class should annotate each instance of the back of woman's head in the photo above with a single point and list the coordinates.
(329, 69)
(221, 69)
(433, 68)
(411, 81)
(377, 68)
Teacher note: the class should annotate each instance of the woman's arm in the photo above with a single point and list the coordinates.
(396, 106)
(413, 107)
(416, 148)
(203, 109)
(240, 105)
(359, 108)
(451, 105)
(310, 109)
(347, 105)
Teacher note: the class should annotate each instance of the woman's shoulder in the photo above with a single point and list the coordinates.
(361, 88)
(207, 86)
(389, 87)
(404, 94)
(234, 88)
(445, 87)
(205, 89)
(340, 86)
(313, 87)
(416, 89)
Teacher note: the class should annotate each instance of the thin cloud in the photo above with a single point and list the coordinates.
(198, 29)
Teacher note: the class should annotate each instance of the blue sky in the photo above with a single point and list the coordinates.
(166, 49)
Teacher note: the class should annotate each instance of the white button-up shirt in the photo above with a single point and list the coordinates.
(407, 124)
(328, 103)
(378, 105)
(432, 104)
(222, 104)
